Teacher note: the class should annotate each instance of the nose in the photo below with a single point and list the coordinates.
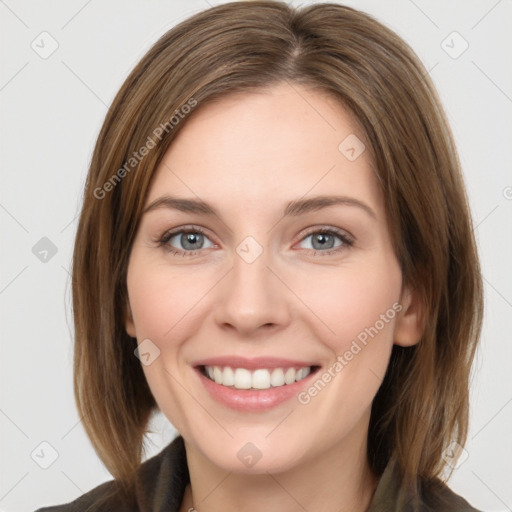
(252, 299)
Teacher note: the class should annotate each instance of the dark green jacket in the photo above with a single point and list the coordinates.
(164, 478)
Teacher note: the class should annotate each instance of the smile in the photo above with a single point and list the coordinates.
(253, 384)
(261, 378)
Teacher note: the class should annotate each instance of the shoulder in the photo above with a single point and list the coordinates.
(437, 496)
(161, 479)
(432, 496)
(102, 496)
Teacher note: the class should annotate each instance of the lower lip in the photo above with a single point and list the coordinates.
(251, 400)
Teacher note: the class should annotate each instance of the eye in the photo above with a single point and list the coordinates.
(185, 241)
(327, 240)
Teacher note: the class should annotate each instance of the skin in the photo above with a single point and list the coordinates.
(249, 155)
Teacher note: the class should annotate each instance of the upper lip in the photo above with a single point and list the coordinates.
(252, 363)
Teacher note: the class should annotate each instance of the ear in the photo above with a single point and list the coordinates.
(128, 321)
(409, 323)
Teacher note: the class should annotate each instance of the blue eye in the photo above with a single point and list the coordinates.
(188, 240)
(327, 240)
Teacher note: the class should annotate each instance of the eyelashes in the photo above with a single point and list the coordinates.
(185, 237)
(320, 235)
(194, 235)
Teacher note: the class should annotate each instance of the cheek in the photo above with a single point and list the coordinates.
(162, 302)
(357, 305)
(162, 311)
(354, 303)
(357, 308)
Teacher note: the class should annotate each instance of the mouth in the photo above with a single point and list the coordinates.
(253, 385)
(257, 379)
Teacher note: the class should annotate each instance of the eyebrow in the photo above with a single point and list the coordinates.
(293, 208)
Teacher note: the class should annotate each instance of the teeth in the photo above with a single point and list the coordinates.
(289, 376)
(242, 378)
(277, 378)
(261, 379)
(228, 377)
(217, 375)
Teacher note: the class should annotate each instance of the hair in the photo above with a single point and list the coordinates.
(422, 404)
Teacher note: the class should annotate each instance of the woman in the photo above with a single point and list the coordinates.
(275, 250)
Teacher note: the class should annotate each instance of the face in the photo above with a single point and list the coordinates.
(263, 284)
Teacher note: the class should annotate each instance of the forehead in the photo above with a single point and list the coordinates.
(274, 145)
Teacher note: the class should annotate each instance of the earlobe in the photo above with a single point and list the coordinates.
(128, 322)
(409, 323)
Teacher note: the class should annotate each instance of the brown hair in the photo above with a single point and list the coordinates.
(422, 404)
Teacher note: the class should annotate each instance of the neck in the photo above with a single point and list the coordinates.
(338, 479)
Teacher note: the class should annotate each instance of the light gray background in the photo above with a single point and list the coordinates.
(51, 112)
